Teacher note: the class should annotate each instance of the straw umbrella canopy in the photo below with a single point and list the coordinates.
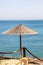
(20, 30)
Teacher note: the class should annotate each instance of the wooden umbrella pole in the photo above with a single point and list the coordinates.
(20, 47)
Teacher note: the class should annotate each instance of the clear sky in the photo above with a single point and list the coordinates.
(21, 9)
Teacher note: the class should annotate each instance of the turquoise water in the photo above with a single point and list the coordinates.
(32, 42)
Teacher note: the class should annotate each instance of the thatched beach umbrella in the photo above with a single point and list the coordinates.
(20, 30)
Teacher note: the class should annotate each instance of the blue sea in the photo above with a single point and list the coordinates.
(34, 43)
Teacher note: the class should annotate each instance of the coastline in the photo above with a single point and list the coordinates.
(20, 61)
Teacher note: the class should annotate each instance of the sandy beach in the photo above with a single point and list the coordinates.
(23, 61)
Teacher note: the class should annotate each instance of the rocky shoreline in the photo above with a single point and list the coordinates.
(21, 61)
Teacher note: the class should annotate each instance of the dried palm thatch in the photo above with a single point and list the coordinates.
(20, 29)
